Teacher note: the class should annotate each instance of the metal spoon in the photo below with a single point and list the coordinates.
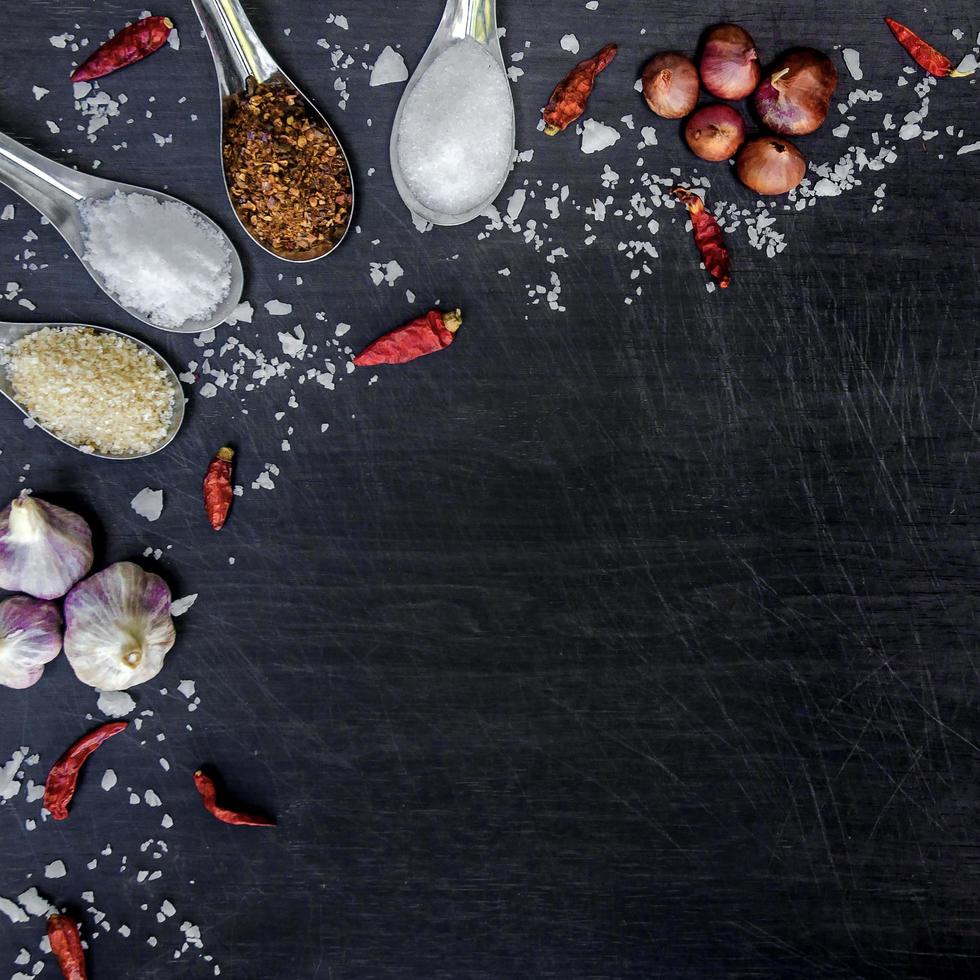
(10, 333)
(242, 61)
(476, 20)
(56, 192)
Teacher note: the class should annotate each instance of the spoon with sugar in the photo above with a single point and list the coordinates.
(162, 261)
(452, 142)
(288, 178)
(42, 372)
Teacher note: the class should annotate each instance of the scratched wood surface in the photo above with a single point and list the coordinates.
(627, 642)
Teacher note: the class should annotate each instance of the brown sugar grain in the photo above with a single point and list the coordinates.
(287, 176)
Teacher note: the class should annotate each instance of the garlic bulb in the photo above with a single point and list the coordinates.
(44, 549)
(30, 637)
(118, 627)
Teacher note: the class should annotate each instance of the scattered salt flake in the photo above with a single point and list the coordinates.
(53, 126)
(187, 688)
(34, 903)
(852, 59)
(148, 503)
(173, 39)
(388, 69)
(179, 606)
(108, 779)
(387, 272)
(12, 911)
(341, 21)
(242, 313)
(968, 64)
(115, 704)
(39, 93)
(969, 148)
(167, 822)
(341, 329)
(8, 213)
(649, 134)
(208, 390)
(61, 40)
(276, 308)
(597, 136)
(152, 799)
(569, 42)
(56, 869)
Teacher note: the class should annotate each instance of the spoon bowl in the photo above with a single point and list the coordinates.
(242, 62)
(10, 333)
(57, 192)
(475, 20)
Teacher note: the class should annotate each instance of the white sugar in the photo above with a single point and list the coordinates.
(389, 68)
(456, 133)
(159, 258)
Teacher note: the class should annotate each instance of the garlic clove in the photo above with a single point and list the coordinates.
(44, 549)
(30, 637)
(118, 627)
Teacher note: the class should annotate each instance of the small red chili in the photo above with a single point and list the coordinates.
(218, 490)
(209, 794)
(924, 54)
(66, 944)
(130, 45)
(59, 787)
(432, 332)
(571, 94)
(707, 236)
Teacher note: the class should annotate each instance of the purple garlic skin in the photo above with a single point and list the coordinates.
(118, 628)
(30, 637)
(44, 549)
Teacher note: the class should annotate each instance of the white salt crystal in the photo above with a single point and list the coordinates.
(116, 704)
(8, 213)
(826, 188)
(341, 329)
(160, 258)
(389, 68)
(56, 869)
(968, 64)
(597, 136)
(39, 93)
(276, 308)
(969, 148)
(909, 131)
(34, 903)
(456, 133)
(242, 313)
(179, 606)
(187, 688)
(852, 59)
(569, 42)
(12, 911)
(842, 130)
(108, 779)
(152, 799)
(387, 272)
(148, 503)
(516, 204)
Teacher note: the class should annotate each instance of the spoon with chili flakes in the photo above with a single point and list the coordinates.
(288, 178)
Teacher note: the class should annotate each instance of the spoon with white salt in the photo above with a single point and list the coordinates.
(452, 142)
(164, 262)
(11, 333)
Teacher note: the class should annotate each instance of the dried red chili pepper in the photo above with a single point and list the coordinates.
(59, 787)
(571, 94)
(209, 794)
(924, 54)
(66, 944)
(218, 490)
(707, 236)
(434, 331)
(130, 45)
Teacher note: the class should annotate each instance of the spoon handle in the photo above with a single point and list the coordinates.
(235, 47)
(471, 18)
(48, 186)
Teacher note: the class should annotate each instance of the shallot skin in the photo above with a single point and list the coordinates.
(770, 166)
(795, 99)
(715, 132)
(729, 62)
(671, 85)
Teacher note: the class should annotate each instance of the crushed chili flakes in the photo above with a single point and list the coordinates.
(287, 176)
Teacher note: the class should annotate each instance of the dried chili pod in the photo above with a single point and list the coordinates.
(131, 44)
(59, 787)
(66, 944)
(432, 332)
(707, 236)
(218, 490)
(209, 795)
(571, 94)
(924, 54)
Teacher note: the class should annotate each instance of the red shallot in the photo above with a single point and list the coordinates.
(715, 132)
(729, 62)
(795, 99)
(770, 166)
(670, 85)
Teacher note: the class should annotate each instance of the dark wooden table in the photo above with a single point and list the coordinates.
(624, 642)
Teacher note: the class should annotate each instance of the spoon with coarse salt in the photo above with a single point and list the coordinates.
(288, 178)
(452, 142)
(43, 374)
(162, 261)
